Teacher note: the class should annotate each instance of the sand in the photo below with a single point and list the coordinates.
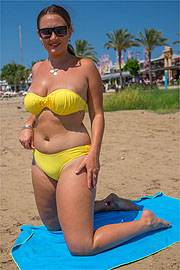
(139, 157)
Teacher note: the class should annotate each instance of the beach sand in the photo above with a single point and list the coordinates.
(139, 157)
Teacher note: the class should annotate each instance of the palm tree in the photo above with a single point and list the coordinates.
(177, 42)
(150, 40)
(85, 50)
(120, 40)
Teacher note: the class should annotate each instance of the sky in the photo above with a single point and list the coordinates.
(91, 21)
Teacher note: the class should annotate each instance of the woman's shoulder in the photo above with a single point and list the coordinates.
(36, 66)
(83, 61)
(88, 66)
(87, 63)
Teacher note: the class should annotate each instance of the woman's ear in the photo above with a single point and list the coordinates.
(70, 31)
(39, 36)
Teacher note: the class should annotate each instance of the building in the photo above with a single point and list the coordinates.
(167, 62)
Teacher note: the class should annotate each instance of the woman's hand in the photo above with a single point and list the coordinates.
(91, 164)
(26, 138)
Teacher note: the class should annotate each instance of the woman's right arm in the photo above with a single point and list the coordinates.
(26, 136)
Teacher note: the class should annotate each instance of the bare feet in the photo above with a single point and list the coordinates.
(152, 222)
(114, 203)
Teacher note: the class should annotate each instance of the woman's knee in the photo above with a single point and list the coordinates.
(78, 245)
(52, 225)
(78, 249)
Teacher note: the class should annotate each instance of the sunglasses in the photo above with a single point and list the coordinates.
(59, 31)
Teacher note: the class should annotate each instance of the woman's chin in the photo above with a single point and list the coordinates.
(55, 52)
(55, 49)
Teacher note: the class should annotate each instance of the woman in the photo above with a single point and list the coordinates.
(66, 161)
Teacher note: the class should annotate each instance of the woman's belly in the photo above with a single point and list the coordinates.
(54, 134)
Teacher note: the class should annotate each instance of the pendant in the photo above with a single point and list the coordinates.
(55, 73)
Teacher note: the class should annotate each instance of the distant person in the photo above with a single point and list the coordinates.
(117, 87)
(146, 81)
(163, 79)
(129, 82)
(107, 86)
(65, 162)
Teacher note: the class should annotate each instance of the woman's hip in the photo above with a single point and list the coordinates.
(52, 164)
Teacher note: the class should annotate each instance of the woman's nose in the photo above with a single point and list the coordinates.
(53, 35)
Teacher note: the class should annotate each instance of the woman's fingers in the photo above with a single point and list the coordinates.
(89, 178)
(89, 173)
(81, 166)
(27, 144)
(92, 172)
(92, 178)
(26, 138)
(24, 144)
(32, 145)
(95, 176)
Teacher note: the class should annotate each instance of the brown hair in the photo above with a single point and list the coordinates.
(54, 9)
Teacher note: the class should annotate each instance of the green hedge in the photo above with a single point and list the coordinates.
(161, 101)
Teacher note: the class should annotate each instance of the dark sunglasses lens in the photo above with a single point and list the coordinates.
(60, 31)
(45, 33)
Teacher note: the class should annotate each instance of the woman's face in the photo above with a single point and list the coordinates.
(54, 45)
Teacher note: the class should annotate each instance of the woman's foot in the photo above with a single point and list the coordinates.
(113, 203)
(152, 222)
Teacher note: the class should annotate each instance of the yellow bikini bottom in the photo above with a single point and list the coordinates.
(52, 164)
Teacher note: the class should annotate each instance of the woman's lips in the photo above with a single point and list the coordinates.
(54, 45)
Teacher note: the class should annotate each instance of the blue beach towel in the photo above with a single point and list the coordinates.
(36, 248)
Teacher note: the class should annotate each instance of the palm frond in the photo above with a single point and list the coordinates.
(120, 40)
(176, 42)
(85, 50)
(151, 39)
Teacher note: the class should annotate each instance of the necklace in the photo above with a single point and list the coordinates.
(54, 71)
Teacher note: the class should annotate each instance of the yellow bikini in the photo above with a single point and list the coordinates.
(61, 102)
(52, 164)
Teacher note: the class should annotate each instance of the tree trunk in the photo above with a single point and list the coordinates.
(120, 70)
(150, 73)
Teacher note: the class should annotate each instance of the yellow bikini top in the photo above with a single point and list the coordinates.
(61, 102)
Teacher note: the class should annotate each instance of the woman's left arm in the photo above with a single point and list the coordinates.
(95, 107)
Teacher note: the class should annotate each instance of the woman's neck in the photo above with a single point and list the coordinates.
(58, 60)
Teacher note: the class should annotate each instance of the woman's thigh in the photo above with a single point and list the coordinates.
(75, 204)
(45, 196)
